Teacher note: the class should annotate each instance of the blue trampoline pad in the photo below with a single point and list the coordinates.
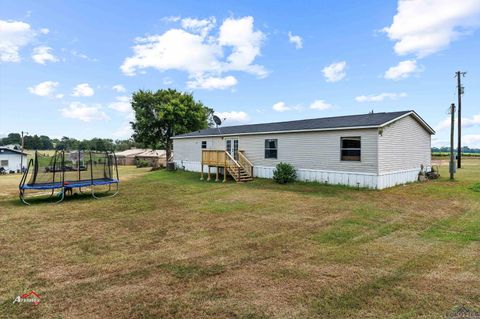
(71, 184)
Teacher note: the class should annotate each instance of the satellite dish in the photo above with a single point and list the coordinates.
(217, 120)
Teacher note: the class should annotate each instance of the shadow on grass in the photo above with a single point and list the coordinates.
(37, 199)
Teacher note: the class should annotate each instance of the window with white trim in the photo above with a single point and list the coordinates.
(204, 144)
(350, 148)
(271, 148)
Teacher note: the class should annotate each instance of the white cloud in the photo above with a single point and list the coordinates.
(42, 54)
(471, 121)
(466, 122)
(402, 70)
(295, 39)
(82, 56)
(335, 71)
(233, 117)
(380, 97)
(83, 112)
(211, 83)
(320, 105)
(46, 88)
(124, 132)
(315, 105)
(201, 27)
(175, 49)
(14, 35)
(423, 27)
(471, 140)
(245, 44)
(167, 81)
(281, 107)
(171, 19)
(83, 89)
(196, 51)
(122, 104)
(119, 88)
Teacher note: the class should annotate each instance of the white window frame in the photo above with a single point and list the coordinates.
(270, 149)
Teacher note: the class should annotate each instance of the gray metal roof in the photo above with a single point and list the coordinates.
(9, 150)
(370, 120)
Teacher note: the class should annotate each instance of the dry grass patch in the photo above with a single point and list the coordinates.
(172, 246)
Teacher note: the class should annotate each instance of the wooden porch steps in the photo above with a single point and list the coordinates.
(240, 169)
(244, 175)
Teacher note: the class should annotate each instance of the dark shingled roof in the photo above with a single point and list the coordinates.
(6, 149)
(337, 122)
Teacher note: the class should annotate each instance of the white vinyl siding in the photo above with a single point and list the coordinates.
(190, 149)
(404, 145)
(312, 150)
(12, 161)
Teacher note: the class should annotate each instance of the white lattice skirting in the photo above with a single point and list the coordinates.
(355, 179)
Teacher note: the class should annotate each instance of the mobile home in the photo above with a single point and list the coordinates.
(375, 150)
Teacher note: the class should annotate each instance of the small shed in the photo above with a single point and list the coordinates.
(12, 160)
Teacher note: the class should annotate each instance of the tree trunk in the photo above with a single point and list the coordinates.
(168, 151)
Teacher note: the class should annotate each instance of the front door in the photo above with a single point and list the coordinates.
(231, 146)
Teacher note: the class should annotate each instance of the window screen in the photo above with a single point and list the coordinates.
(271, 148)
(4, 163)
(350, 149)
(204, 144)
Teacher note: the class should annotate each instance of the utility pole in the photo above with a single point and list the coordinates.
(21, 157)
(459, 75)
(452, 133)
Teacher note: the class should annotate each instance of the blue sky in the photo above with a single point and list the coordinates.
(67, 68)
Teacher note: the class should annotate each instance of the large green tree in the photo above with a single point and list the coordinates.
(162, 114)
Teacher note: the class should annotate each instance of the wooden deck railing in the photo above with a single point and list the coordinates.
(213, 158)
(239, 169)
(232, 166)
(243, 161)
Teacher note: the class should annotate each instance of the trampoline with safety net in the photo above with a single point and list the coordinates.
(63, 172)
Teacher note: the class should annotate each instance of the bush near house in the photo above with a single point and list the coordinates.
(284, 173)
(141, 163)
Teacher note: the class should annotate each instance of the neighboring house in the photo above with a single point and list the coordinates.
(128, 157)
(13, 146)
(11, 160)
(155, 158)
(375, 150)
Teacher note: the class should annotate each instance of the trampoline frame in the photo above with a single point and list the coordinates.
(68, 186)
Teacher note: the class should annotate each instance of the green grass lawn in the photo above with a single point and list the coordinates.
(171, 245)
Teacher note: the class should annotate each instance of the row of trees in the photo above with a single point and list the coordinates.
(42, 142)
(465, 149)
